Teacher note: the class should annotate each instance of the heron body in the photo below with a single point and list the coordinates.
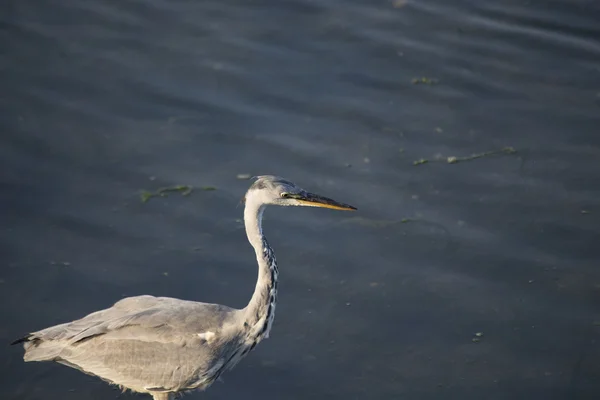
(162, 345)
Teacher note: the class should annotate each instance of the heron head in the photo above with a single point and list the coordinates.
(269, 189)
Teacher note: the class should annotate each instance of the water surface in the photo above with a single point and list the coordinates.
(103, 99)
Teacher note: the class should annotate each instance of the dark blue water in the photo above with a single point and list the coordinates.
(471, 280)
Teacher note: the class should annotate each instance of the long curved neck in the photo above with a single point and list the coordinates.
(260, 311)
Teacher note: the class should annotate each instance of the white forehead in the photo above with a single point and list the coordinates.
(272, 183)
(267, 189)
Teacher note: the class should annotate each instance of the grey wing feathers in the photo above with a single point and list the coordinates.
(143, 343)
(145, 318)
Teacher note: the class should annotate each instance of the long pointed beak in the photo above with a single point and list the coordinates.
(314, 200)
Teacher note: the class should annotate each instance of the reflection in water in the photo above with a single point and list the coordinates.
(102, 101)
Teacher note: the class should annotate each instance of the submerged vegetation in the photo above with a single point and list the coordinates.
(477, 337)
(185, 190)
(455, 159)
(505, 150)
(424, 81)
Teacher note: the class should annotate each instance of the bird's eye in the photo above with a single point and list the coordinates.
(285, 195)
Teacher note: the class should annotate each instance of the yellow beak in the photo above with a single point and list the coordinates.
(314, 200)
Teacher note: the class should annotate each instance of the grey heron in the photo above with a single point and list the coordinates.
(163, 346)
